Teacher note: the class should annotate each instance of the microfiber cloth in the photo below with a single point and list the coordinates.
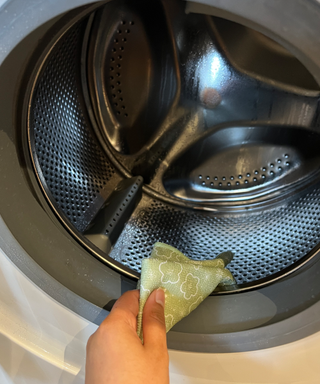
(186, 282)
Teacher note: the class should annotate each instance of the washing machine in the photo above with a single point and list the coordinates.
(194, 123)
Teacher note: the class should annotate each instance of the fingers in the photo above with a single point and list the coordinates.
(154, 328)
(129, 302)
(126, 308)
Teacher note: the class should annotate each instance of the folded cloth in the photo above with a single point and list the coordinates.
(186, 282)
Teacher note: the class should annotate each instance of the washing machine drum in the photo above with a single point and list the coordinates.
(197, 125)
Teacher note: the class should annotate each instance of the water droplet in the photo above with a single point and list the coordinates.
(279, 168)
(256, 172)
(208, 177)
(203, 183)
(246, 181)
(223, 178)
(271, 173)
(237, 183)
(271, 165)
(200, 176)
(254, 179)
(231, 178)
(279, 161)
(216, 178)
(287, 163)
(211, 184)
(286, 155)
(264, 169)
(248, 175)
(229, 184)
(220, 184)
(263, 176)
(240, 177)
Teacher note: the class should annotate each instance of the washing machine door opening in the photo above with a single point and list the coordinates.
(148, 124)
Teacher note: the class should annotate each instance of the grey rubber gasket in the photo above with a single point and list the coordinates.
(300, 326)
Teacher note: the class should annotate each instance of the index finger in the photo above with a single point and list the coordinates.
(126, 308)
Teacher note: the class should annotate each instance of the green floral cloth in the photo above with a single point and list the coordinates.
(186, 282)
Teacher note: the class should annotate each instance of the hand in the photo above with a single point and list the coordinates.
(115, 353)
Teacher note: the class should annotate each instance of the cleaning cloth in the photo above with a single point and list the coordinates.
(186, 282)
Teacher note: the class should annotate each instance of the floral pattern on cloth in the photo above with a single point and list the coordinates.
(186, 282)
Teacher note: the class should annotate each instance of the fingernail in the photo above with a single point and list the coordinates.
(160, 297)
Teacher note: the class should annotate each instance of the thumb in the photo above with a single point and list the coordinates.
(154, 327)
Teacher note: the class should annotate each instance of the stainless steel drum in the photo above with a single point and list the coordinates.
(145, 123)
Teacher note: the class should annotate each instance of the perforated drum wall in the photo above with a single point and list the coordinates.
(70, 159)
(263, 243)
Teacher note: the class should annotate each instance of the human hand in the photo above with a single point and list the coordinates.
(115, 353)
